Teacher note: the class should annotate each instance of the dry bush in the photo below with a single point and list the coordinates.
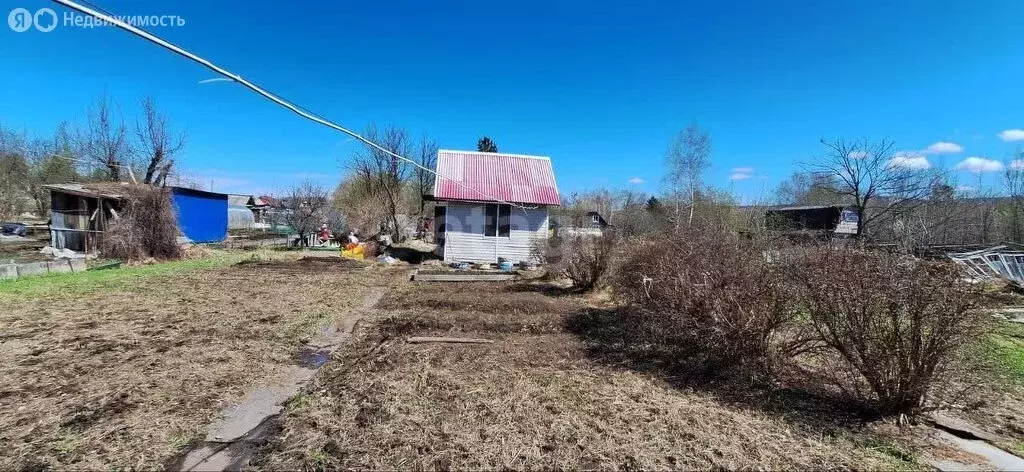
(900, 324)
(710, 296)
(585, 259)
(146, 227)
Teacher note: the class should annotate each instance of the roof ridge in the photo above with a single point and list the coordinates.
(502, 154)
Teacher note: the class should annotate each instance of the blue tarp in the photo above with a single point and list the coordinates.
(202, 216)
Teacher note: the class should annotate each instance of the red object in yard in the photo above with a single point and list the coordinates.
(488, 177)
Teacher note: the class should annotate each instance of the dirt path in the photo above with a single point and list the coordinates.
(232, 441)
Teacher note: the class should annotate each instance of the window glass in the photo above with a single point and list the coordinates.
(490, 220)
(504, 217)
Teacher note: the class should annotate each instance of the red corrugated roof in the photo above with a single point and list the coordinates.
(486, 176)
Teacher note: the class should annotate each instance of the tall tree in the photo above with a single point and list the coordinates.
(106, 142)
(1014, 181)
(687, 158)
(867, 172)
(486, 145)
(382, 174)
(427, 158)
(157, 144)
(52, 162)
(14, 170)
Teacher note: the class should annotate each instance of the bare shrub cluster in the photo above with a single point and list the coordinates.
(709, 292)
(146, 227)
(585, 259)
(888, 329)
(898, 323)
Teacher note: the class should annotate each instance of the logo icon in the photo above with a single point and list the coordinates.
(40, 19)
(20, 20)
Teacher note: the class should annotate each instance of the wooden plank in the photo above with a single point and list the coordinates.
(455, 277)
(432, 339)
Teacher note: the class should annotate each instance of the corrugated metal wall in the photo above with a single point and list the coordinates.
(202, 216)
(465, 239)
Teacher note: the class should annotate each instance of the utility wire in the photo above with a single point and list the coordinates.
(263, 92)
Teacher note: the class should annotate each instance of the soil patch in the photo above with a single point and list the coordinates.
(128, 375)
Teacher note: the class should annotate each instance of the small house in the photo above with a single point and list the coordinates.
(589, 223)
(827, 219)
(491, 206)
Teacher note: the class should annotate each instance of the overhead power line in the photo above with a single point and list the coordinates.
(102, 14)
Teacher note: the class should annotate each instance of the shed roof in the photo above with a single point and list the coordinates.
(489, 177)
(94, 189)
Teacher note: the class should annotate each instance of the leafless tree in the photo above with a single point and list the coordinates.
(305, 208)
(424, 180)
(803, 188)
(383, 174)
(157, 144)
(687, 159)
(871, 180)
(106, 142)
(1014, 181)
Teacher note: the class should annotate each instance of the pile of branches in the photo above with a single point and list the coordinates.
(146, 227)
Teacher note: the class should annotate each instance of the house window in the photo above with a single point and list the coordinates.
(504, 217)
(595, 220)
(497, 220)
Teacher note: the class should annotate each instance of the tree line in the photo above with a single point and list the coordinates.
(898, 201)
(106, 148)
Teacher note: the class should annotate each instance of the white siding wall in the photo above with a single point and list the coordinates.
(465, 240)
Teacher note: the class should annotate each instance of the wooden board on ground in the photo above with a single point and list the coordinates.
(433, 339)
(462, 277)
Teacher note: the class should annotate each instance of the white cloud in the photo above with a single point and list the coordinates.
(1012, 135)
(909, 160)
(742, 173)
(964, 189)
(979, 165)
(943, 147)
(636, 181)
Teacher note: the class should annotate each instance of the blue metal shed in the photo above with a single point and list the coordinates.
(202, 216)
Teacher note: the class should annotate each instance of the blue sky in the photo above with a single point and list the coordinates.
(599, 86)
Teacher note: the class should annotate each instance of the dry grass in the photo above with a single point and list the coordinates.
(536, 399)
(129, 374)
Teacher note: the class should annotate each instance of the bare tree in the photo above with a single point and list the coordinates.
(106, 142)
(383, 174)
(157, 144)
(687, 159)
(1014, 181)
(870, 178)
(424, 180)
(803, 188)
(305, 209)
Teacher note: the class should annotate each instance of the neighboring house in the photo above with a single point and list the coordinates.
(80, 213)
(590, 223)
(470, 222)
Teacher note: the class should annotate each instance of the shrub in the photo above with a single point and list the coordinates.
(585, 259)
(898, 323)
(710, 294)
(146, 227)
